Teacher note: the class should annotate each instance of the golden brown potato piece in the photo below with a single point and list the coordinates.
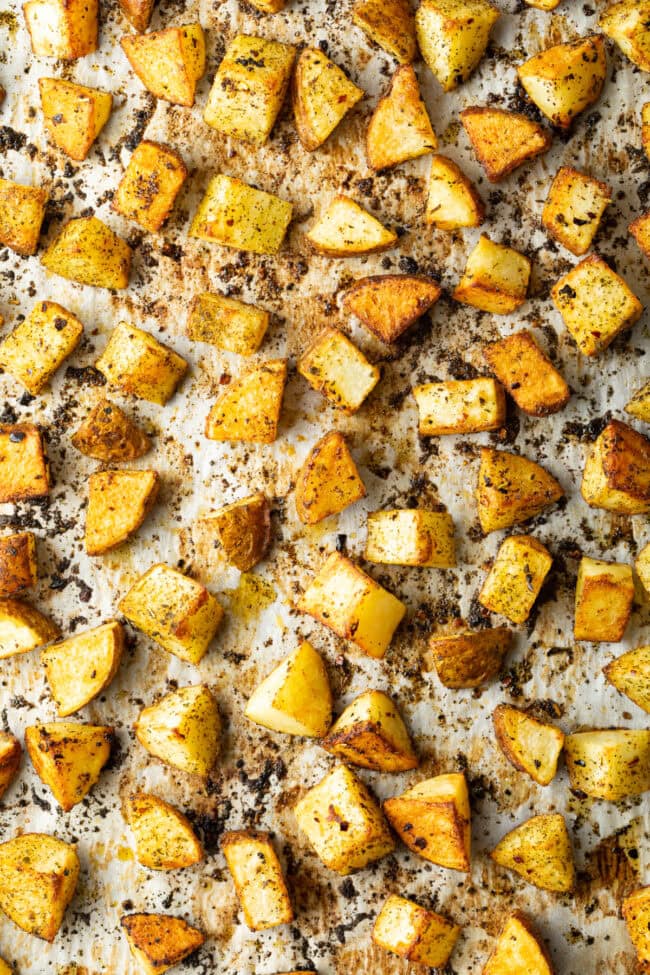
(627, 23)
(258, 877)
(460, 406)
(139, 364)
(390, 24)
(73, 115)
(630, 674)
(164, 838)
(24, 470)
(66, 29)
(565, 79)
(269, 6)
(414, 933)
(249, 408)
(617, 471)
(466, 658)
(335, 367)
(642, 565)
(158, 941)
(150, 184)
(22, 209)
(573, 209)
(388, 304)
(400, 127)
(23, 628)
(636, 911)
(81, 667)
(503, 140)
(645, 127)
(168, 62)
(69, 757)
(609, 763)
(452, 201)
(36, 348)
(242, 530)
(517, 575)
(322, 95)
(371, 733)
(433, 819)
(295, 698)
(512, 489)
(227, 323)
(528, 375)
(237, 215)
(18, 568)
(10, 755)
(639, 405)
(88, 251)
(118, 503)
(138, 13)
(108, 434)
(495, 278)
(343, 822)
(411, 536)
(182, 729)
(640, 230)
(531, 746)
(519, 951)
(345, 229)
(38, 878)
(543, 4)
(604, 596)
(540, 851)
(453, 36)
(328, 481)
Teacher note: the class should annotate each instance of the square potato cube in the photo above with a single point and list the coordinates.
(640, 230)
(249, 407)
(411, 537)
(227, 323)
(236, 215)
(88, 251)
(636, 911)
(343, 822)
(466, 658)
(502, 140)
(38, 346)
(628, 23)
(73, 115)
(529, 376)
(414, 933)
(516, 577)
(258, 877)
(339, 370)
(150, 185)
(136, 362)
(453, 36)
(23, 628)
(496, 278)
(24, 470)
(65, 29)
(573, 209)
(460, 406)
(18, 569)
(22, 209)
(390, 24)
(168, 62)
(596, 304)
(604, 595)
(249, 88)
(433, 819)
(617, 471)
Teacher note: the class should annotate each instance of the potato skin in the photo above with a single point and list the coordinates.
(465, 658)
(108, 434)
(242, 529)
(388, 304)
(390, 24)
(531, 746)
(138, 13)
(617, 471)
(18, 568)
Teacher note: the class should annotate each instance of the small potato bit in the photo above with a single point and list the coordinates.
(258, 877)
(503, 140)
(414, 933)
(168, 62)
(73, 115)
(82, 667)
(139, 364)
(248, 410)
(628, 23)
(465, 658)
(158, 941)
(236, 215)
(164, 838)
(573, 209)
(609, 763)
(531, 746)
(636, 911)
(69, 757)
(22, 209)
(495, 279)
(390, 24)
(328, 481)
(335, 367)
(540, 851)
(519, 950)
(460, 406)
(516, 578)
(242, 530)
(433, 820)
(371, 733)
(18, 568)
(66, 29)
(322, 97)
(565, 79)
(36, 348)
(345, 229)
(630, 674)
(109, 435)
(182, 729)
(453, 36)
(295, 698)
(10, 755)
(453, 201)
(150, 185)
(642, 565)
(411, 537)
(617, 471)
(138, 13)
(400, 127)
(23, 628)
(228, 323)
(528, 375)
(38, 878)
(88, 251)
(118, 503)
(603, 604)
(512, 489)
(388, 304)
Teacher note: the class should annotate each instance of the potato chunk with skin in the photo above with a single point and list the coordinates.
(414, 933)
(248, 409)
(512, 489)
(24, 470)
(73, 115)
(528, 375)
(249, 88)
(628, 23)
(242, 530)
(168, 62)
(139, 364)
(36, 348)
(18, 568)
(573, 209)
(88, 251)
(433, 819)
(22, 209)
(617, 471)
(531, 746)
(236, 215)
(10, 755)
(345, 229)
(453, 201)
(388, 304)
(182, 729)
(565, 79)
(411, 537)
(38, 878)
(518, 951)
(371, 733)
(343, 822)
(540, 851)
(328, 481)
(400, 127)
(516, 577)
(159, 941)
(138, 13)
(460, 406)
(164, 838)
(69, 757)
(354, 606)
(295, 698)
(390, 24)
(604, 596)
(150, 184)
(640, 230)
(80, 668)
(23, 628)
(465, 658)
(502, 140)
(227, 323)
(108, 434)
(335, 367)
(118, 503)
(609, 763)
(630, 674)
(174, 610)
(66, 29)
(322, 96)
(495, 278)
(258, 877)
(636, 912)
(453, 36)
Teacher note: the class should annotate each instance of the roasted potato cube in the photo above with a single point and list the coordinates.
(88, 251)
(118, 503)
(150, 185)
(168, 62)
(164, 838)
(388, 304)
(573, 209)
(249, 408)
(414, 933)
(139, 364)
(540, 851)
(453, 36)
(400, 127)
(630, 674)
(108, 434)
(433, 819)
(23, 628)
(503, 140)
(640, 230)
(10, 755)
(565, 79)
(512, 489)
(227, 323)
(411, 536)
(328, 481)
(390, 24)
(636, 911)
(345, 229)
(543, 4)
(642, 565)
(529, 376)
(40, 344)
(452, 201)
(18, 568)
(295, 698)
(38, 878)
(66, 29)
(343, 822)
(517, 575)
(322, 96)
(609, 763)
(236, 215)
(460, 406)
(604, 595)
(74, 115)
(174, 610)
(24, 470)
(80, 668)
(463, 658)
(22, 209)
(335, 367)
(182, 729)
(69, 757)
(138, 13)
(354, 606)
(242, 530)
(596, 304)
(645, 127)
(495, 279)
(519, 951)
(617, 471)
(371, 733)
(158, 941)
(628, 23)
(258, 877)
(531, 746)
(249, 88)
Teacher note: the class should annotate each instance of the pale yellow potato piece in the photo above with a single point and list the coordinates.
(182, 729)
(531, 746)
(139, 364)
(69, 757)
(565, 79)
(528, 375)
(18, 567)
(390, 24)
(512, 489)
(617, 471)
(639, 405)
(228, 323)
(344, 229)
(164, 838)
(630, 674)
(118, 503)
(322, 96)
(88, 251)
(495, 278)
(168, 62)
(150, 184)
(10, 756)
(80, 668)
(519, 951)
(414, 933)
(636, 911)
(517, 575)
(295, 698)
(24, 469)
(371, 733)
(73, 114)
(237, 215)
(38, 878)
(335, 367)
(23, 628)
(452, 201)
(453, 36)
(64, 29)
(158, 941)
(540, 851)
(460, 406)
(108, 434)
(433, 819)
(502, 140)
(36, 348)
(609, 763)
(137, 12)
(466, 658)
(249, 407)
(258, 878)
(388, 304)
(22, 209)
(242, 530)
(603, 604)
(411, 536)
(628, 23)
(328, 481)
(400, 127)
(573, 209)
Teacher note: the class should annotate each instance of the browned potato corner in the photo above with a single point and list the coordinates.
(565, 79)
(603, 604)
(519, 950)
(503, 140)
(10, 756)
(527, 374)
(433, 820)
(388, 304)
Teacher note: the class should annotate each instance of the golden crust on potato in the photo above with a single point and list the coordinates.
(73, 115)
(24, 469)
(69, 757)
(371, 733)
(388, 304)
(414, 933)
(452, 201)
(516, 577)
(81, 667)
(295, 698)
(18, 568)
(150, 184)
(158, 941)
(258, 878)
(138, 13)
(640, 230)
(65, 29)
(22, 209)
(335, 367)
(627, 23)
(433, 819)
(40, 344)
(495, 278)
(512, 489)
(527, 374)
(242, 530)
(603, 604)
(328, 480)
(237, 215)
(139, 364)
(460, 406)
(617, 471)
(400, 127)
(519, 950)
(636, 912)
(411, 536)
(164, 838)
(118, 503)
(88, 251)
(108, 434)
(345, 229)
(540, 851)
(503, 140)
(249, 407)
(38, 878)
(453, 36)
(573, 209)
(610, 763)
(23, 628)
(228, 323)
(630, 674)
(531, 746)
(10, 755)
(390, 24)
(322, 96)
(469, 658)
(182, 729)
(565, 79)
(168, 62)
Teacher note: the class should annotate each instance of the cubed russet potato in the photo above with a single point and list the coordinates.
(345, 229)
(38, 878)
(258, 878)
(118, 503)
(241, 530)
(168, 62)
(108, 434)
(248, 409)
(237, 215)
(628, 23)
(36, 348)
(388, 304)
(182, 729)
(531, 746)
(516, 577)
(411, 536)
(80, 668)
(10, 755)
(23, 628)
(433, 819)
(322, 96)
(18, 568)
(73, 115)
(328, 481)
(295, 698)
(24, 469)
(466, 658)
(495, 278)
(390, 24)
(617, 471)
(460, 406)
(64, 29)
(452, 200)
(22, 209)
(453, 36)
(164, 838)
(573, 209)
(335, 367)
(502, 140)
(512, 489)
(88, 251)
(519, 951)
(400, 127)
(630, 674)
(609, 763)
(528, 375)
(371, 733)
(540, 851)
(69, 757)
(228, 323)
(565, 79)
(636, 912)
(139, 364)
(150, 184)
(408, 930)
(138, 13)
(158, 941)
(603, 604)
(640, 230)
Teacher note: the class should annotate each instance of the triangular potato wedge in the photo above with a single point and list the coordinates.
(182, 729)
(518, 951)
(532, 746)
(23, 628)
(158, 941)
(503, 140)
(168, 62)
(390, 24)
(565, 79)
(241, 530)
(73, 115)
(295, 698)
(118, 503)
(371, 733)
(328, 481)
(630, 674)
(400, 127)
(10, 755)
(249, 407)
(512, 489)
(388, 304)
(69, 757)
(164, 838)
(468, 658)
(38, 877)
(636, 911)
(540, 851)
(453, 36)
(433, 820)
(628, 23)
(322, 96)
(452, 201)
(81, 667)
(88, 251)
(138, 13)
(345, 229)
(108, 434)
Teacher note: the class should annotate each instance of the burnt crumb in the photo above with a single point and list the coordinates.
(10, 139)
(586, 432)
(365, 186)
(173, 251)
(478, 616)
(8, 414)
(40, 801)
(85, 376)
(18, 702)
(212, 827)
(85, 592)
(347, 889)
(341, 930)
(260, 784)
(142, 119)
